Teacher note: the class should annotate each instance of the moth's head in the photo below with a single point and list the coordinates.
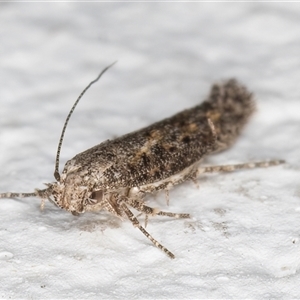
(76, 199)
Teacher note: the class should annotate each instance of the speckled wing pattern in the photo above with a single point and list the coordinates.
(167, 147)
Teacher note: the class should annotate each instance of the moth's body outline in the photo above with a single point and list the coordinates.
(116, 174)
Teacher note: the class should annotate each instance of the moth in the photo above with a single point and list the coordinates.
(116, 175)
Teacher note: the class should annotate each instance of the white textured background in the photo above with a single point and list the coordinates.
(243, 240)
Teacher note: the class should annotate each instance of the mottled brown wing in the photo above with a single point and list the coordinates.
(171, 145)
(160, 150)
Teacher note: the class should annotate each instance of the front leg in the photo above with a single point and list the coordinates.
(121, 202)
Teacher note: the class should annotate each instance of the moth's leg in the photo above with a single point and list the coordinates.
(234, 167)
(167, 195)
(42, 206)
(147, 210)
(187, 174)
(136, 223)
(38, 193)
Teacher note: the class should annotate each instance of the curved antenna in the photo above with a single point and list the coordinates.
(56, 171)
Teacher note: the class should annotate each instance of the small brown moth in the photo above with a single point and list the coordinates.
(116, 174)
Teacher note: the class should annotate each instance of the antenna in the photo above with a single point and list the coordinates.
(56, 171)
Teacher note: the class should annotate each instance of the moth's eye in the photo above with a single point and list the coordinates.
(95, 197)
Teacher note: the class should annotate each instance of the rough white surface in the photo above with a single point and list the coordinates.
(243, 240)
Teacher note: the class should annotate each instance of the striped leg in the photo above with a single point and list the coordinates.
(234, 167)
(136, 223)
(147, 210)
(42, 194)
